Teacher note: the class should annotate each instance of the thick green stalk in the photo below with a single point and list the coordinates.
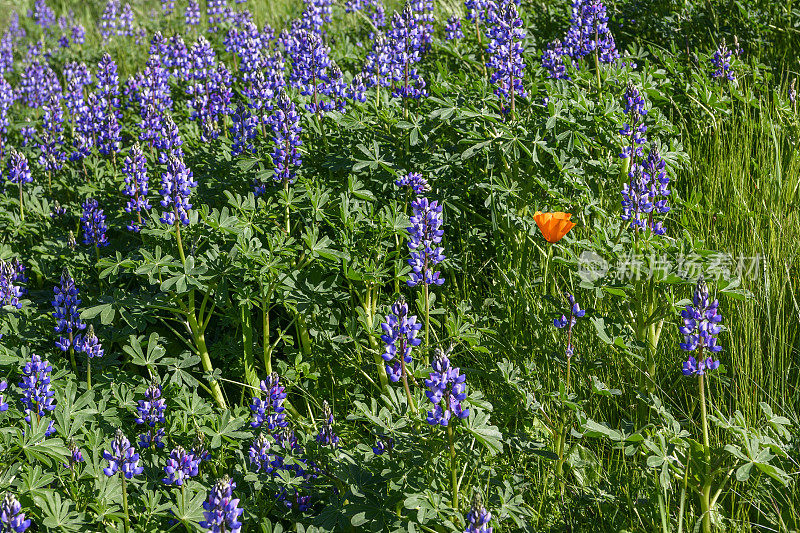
(705, 496)
(426, 297)
(89, 373)
(369, 316)
(248, 360)
(265, 325)
(21, 209)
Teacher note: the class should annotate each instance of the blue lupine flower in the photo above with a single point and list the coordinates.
(446, 390)
(216, 10)
(11, 516)
(505, 54)
(405, 45)
(478, 517)
(66, 302)
(125, 25)
(269, 412)
(78, 33)
(7, 98)
(645, 194)
(259, 454)
(136, 185)
(167, 6)
(94, 224)
(452, 30)
(192, 13)
(43, 15)
(575, 313)
(378, 66)
(209, 88)
(180, 466)
(89, 344)
(415, 182)
(374, 9)
(76, 455)
(312, 72)
(3, 403)
(326, 436)
(285, 124)
(151, 412)
(700, 328)
(553, 61)
(243, 130)
(168, 142)
(18, 170)
(721, 61)
(221, 509)
(12, 273)
(176, 187)
(400, 332)
(316, 14)
(37, 394)
(425, 234)
(109, 19)
(122, 457)
(590, 32)
(382, 445)
(478, 10)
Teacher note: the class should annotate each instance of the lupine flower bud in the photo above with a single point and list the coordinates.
(326, 436)
(122, 457)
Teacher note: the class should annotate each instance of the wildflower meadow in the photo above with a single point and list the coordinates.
(399, 266)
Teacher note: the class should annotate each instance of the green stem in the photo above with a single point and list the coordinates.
(453, 467)
(72, 355)
(705, 497)
(125, 502)
(248, 360)
(286, 213)
(267, 346)
(89, 373)
(21, 209)
(426, 297)
(178, 238)
(369, 316)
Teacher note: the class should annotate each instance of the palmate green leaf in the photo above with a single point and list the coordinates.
(152, 357)
(228, 428)
(479, 426)
(59, 514)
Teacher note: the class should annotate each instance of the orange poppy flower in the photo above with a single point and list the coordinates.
(553, 225)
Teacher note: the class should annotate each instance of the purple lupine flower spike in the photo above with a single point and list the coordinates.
(176, 187)
(269, 412)
(192, 13)
(700, 328)
(446, 390)
(12, 274)
(400, 336)
(721, 62)
(180, 466)
(326, 436)
(94, 224)
(382, 445)
(505, 54)
(89, 344)
(285, 124)
(136, 185)
(221, 509)
(645, 194)
(425, 235)
(151, 412)
(259, 454)
(122, 457)
(11, 516)
(67, 315)
(415, 182)
(452, 30)
(478, 517)
(405, 46)
(37, 395)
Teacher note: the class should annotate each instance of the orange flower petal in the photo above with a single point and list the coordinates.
(553, 225)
